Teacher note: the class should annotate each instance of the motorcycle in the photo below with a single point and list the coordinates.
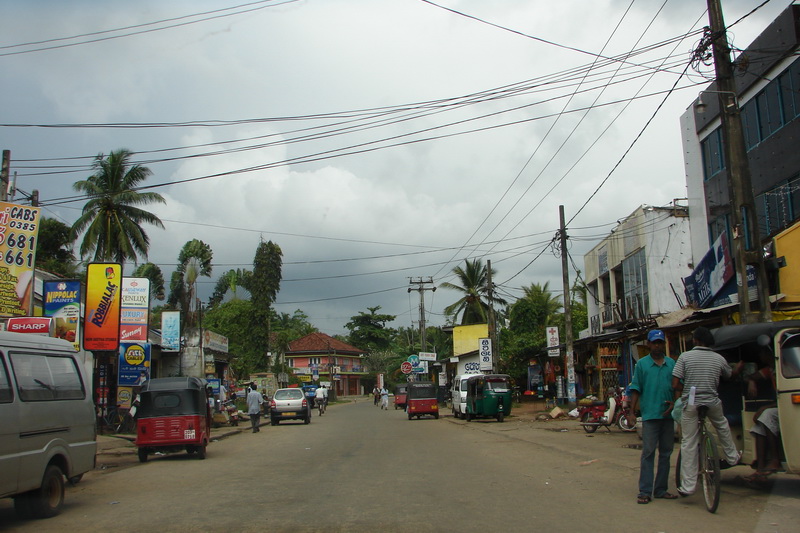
(233, 412)
(607, 414)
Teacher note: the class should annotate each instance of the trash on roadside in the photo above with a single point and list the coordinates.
(573, 413)
(557, 412)
(584, 463)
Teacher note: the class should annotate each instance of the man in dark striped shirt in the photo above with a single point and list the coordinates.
(695, 379)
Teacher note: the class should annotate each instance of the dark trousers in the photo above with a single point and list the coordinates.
(656, 435)
(254, 421)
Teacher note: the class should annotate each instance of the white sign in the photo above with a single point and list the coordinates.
(554, 353)
(552, 337)
(485, 354)
(427, 356)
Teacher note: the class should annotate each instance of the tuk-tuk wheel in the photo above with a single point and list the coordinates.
(142, 455)
(436, 416)
(500, 415)
(201, 452)
(469, 417)
(410, 416)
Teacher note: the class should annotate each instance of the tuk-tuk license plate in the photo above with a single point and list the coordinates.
(289, 414)
(188, 434)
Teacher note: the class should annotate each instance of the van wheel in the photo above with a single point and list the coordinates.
(142, 455)
(47, 500)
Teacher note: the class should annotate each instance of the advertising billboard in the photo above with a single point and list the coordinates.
(19, 229)
(135, 305)
(103, 294)
(171, 331)
(134, 364)
(62, 302)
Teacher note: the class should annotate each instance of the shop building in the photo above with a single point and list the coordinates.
(319, 357)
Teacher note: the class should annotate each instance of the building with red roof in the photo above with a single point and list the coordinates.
(318, 357)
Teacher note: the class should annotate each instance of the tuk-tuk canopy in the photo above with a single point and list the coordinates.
(497, 382)
(401, 389)
(732, 336)
(172, 397)
(421, 389)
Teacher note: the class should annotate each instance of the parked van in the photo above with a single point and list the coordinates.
(458, 392)
(48, 422)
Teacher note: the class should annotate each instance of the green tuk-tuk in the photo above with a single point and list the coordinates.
(488, 396)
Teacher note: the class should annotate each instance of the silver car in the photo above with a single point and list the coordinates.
(289, 404)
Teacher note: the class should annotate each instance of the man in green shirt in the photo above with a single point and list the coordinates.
(651, 393)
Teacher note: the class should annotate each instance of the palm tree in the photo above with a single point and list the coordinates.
(542, 301)
(474, 304)
(111, 219)
(194, 261)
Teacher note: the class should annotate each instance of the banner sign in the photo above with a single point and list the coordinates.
(427, 356)
(552, 341)
(485, 354)
(712, 273)
(19, 229)
(135, 306)
(101, 324)
(62, 302)
(32, 324)
(134, 364)
(171, 331)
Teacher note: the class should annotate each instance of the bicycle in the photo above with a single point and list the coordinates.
(321, 404)
(707, 463)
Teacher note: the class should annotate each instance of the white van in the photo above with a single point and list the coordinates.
(459, 394)
(48, 422)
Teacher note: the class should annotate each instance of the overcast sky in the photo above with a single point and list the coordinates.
(373, 140)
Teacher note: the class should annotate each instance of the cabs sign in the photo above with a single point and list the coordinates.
(19, 230)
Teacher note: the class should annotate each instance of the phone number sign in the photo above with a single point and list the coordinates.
(19, 229)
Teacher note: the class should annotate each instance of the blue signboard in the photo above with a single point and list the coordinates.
(170, 331)
(134, 363)
(713, 272)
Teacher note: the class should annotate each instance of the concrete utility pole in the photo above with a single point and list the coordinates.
(492, 322)
(743, 214)
(421, 289)
(4, 175)
(570, 363)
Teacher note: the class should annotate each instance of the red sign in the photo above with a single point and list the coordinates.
(406, 367)
(37, 325)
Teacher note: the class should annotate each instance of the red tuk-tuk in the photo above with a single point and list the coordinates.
(421, 399)
(400, 396)
(173, 415)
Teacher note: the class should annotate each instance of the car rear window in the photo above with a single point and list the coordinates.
(290, 394)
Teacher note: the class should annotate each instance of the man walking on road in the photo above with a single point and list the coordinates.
(651, 392)
(254, 401)
(695, 379)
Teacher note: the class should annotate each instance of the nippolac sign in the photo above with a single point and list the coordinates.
(36, 325)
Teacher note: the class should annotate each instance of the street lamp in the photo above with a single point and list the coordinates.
(732, 104)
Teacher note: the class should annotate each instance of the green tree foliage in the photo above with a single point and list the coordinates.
(368, 331)
(54, 248)
(153, 273)
(194, 260)
(230, 281)
(233, 319)
(264, 285)
(473, 306)
(112, 220)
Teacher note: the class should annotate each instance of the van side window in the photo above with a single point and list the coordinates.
(6, 394)
(42, 378)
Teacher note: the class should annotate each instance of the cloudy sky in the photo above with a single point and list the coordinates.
(373, 140)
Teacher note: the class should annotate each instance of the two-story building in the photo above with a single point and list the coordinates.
(320, 357)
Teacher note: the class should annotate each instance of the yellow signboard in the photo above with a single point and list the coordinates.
(19, 229)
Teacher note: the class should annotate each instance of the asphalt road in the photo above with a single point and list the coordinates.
(358, 468)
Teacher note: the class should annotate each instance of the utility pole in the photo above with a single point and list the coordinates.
(421, 289)
(4, 175)
(746, 240)
(567, 308)
(492, 322)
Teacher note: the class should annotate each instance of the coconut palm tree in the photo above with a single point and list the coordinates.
(111, 219)
(473, 306)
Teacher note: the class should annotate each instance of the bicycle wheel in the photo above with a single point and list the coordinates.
(709, 471)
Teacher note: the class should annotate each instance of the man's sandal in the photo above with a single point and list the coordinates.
(643, 499)
(668, 496)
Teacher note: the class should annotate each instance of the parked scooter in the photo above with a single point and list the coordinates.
(233, 412)
(607, 414)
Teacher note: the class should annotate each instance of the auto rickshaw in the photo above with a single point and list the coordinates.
(173, 415)
(488, 396)
(400, 396)
(779, 344)
(421, 399)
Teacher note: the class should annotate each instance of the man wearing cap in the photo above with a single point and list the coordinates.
(651, 393)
